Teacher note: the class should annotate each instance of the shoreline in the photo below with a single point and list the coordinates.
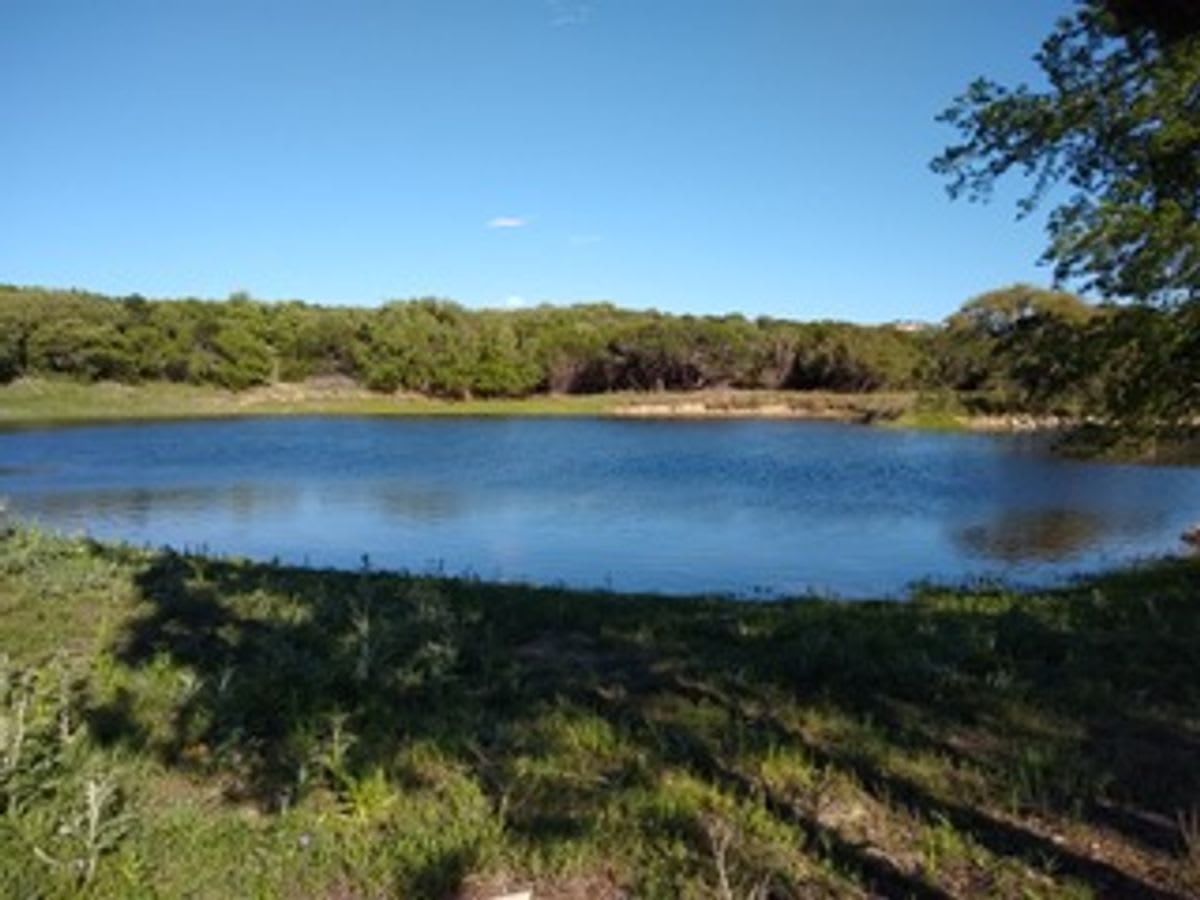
(53, 402)
(49, 403)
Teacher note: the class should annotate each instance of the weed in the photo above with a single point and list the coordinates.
(722, 838)
(1189, 834)
(94, 828)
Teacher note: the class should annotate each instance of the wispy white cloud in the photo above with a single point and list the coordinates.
(507, 222)
(566, 13)
(582, 240)
(515, 302)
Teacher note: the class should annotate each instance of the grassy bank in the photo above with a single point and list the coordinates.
(175, 725)
(34, 401)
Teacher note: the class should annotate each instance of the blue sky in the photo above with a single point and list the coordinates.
(706, 156)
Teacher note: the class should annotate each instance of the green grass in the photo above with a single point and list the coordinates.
(932, 420)
(44, 401)
(35, 401)
(936, 411)
(178, 725)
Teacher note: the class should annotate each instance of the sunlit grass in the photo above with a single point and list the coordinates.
(34, 401)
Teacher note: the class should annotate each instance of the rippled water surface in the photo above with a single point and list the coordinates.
(752, 508)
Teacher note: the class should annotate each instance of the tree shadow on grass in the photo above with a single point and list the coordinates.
(1087, 697)
(285, 661)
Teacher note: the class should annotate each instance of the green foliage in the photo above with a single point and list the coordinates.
(1149, 367)
(1017, 344)
(842, 358)
(1134, 369)
(438, 348)
(1119, 127)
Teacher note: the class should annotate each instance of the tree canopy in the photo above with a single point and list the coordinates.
(1116, 129)
(437, 347)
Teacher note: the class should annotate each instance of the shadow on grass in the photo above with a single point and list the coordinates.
(1078, 706)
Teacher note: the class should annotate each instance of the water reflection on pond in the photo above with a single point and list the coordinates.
(1047, 535)
(753, 508)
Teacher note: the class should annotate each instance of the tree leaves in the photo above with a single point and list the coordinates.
(1118, 127)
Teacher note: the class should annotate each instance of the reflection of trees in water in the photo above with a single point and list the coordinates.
(1041, 535)
(17, 471)
(138, 505)
(399, 501)
(419, 504)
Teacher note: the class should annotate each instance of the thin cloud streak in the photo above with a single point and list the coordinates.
(568, 13)
(582, 240)
(507, 222)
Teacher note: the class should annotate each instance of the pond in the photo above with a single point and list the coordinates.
(751, 508)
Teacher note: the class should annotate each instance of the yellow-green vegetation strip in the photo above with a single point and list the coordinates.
(31, 401)
(38, 401)
(175, 725)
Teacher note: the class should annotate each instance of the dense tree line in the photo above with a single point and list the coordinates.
(1020, 348)
(437, 347)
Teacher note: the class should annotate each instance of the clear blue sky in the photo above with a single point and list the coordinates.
(761, 156)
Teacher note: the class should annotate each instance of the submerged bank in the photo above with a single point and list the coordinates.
(211, 726)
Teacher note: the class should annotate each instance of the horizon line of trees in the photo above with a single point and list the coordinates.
(1020, 348)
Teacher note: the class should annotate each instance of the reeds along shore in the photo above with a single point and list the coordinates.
(178, 724)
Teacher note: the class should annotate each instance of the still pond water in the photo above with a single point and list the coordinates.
(748, 508)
